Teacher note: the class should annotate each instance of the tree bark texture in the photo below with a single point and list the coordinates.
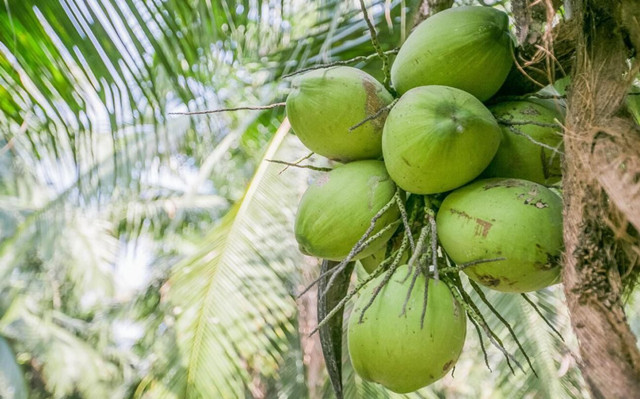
(602, 195)
(428, 8)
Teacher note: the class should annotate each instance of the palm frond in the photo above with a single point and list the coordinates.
(234, 297)
(64, 362)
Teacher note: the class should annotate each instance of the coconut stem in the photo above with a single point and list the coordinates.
(524, 123)
(484, 299)
(405, 219)
(416, 273)
(534, 141)
(346, 299)
(397, 256)
(350, 61)
(297, 162)
(462, 266)
(537, 309)
(357, 248)
(431, 216)
(376, 44)
(424, 301)
(214, 111)
(297, 165)
(341, 266)
(419, 246)
(387, 277)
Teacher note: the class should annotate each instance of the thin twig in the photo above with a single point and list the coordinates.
(419, 246)
(297, 162)
(387, 277)
(519, 132)
(295, 165)
(472, 310)
(484, 350)
(405, 219)
(377, 290)
(340, 266)
(484, 299)
(424, 301)
(535, 307)
(338, 63)
(346, 299)
(416, 274)
(525, 123)
(376, 44)
(383, 110)
(434, 242)
(214, 111)
(361, 248)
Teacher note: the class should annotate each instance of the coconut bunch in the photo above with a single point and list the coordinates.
(433, 180)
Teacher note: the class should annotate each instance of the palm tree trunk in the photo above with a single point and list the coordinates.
(595, 136)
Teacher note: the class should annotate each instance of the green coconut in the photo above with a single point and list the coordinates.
(325, 103)
(336, 210)
(518, 156)
(396, 350)
(437, 138)
(514, 219)
(468, 48)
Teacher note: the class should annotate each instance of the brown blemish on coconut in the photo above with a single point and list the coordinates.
(507, 183)
(551, 263)
(406, 161)
(489, 281)
(460, 213)
(373, 103)
(482, 227)
(447, 365)
(534, 202)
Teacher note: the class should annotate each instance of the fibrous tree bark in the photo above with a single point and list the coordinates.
(601, 193)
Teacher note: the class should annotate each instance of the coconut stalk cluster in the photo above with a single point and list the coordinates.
(434, 177)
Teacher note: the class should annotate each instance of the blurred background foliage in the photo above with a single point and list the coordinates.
(150, 255)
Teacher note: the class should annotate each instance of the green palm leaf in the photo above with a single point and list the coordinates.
(234, 297)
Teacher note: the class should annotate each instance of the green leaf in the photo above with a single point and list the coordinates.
(234, 298)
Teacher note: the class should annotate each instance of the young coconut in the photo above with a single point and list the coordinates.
(397, 350)
(518, 156)
(514, 219)
(438, 138)
(325, 104)
(469, 48)
(336, 210)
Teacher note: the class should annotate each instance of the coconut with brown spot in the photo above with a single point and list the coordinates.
(325, 104)
(514, 219)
